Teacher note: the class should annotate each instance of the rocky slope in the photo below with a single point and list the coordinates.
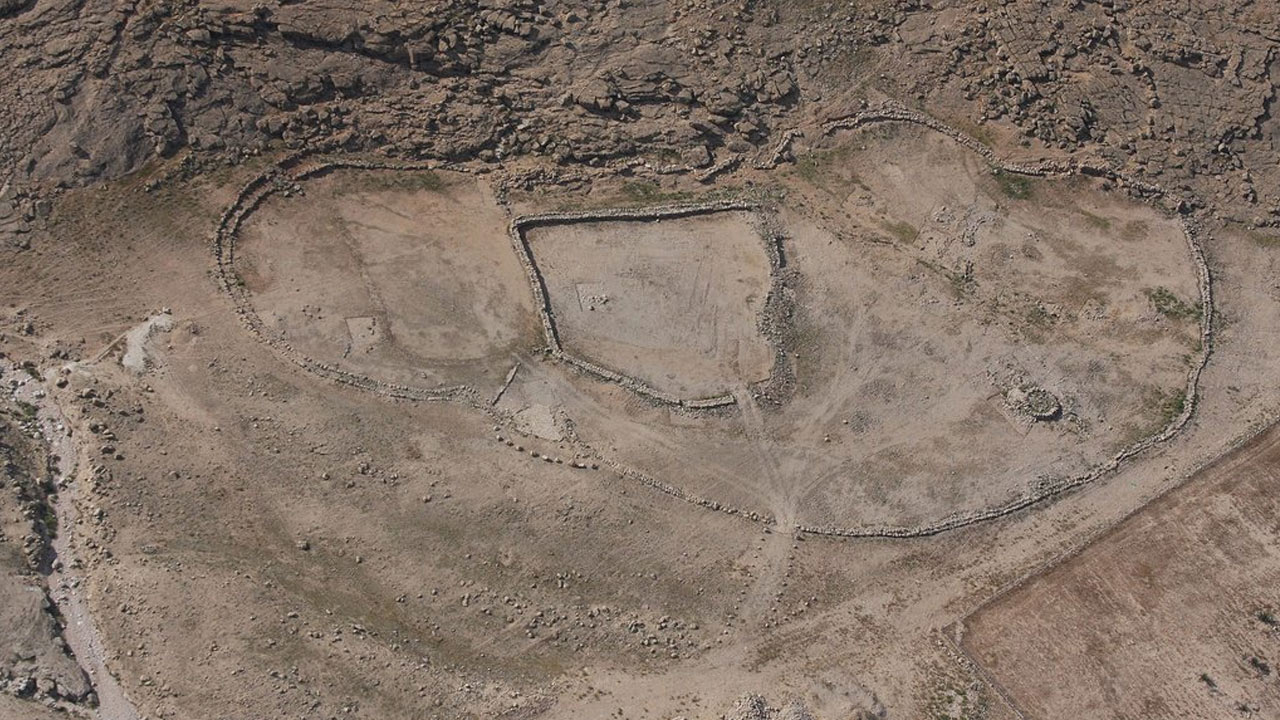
(1181, 95)
(34, 661)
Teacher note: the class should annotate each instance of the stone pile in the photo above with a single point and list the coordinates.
(779, 152)
(754, 707)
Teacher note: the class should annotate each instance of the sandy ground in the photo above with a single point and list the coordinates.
(379, 274)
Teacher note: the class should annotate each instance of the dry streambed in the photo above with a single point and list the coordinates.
(66, 578)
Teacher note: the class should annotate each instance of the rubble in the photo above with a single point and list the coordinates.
(1174, 109)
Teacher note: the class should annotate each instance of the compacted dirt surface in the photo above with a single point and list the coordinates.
(1172, 613)
(673, 303)
(652, 360)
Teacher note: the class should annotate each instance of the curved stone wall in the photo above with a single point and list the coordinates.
(289, 171)
(285, 175)
(1040, 492)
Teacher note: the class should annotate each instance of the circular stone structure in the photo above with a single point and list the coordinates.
(1034, 402)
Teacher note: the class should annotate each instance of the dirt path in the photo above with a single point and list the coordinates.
(66, 581)
(775, 555)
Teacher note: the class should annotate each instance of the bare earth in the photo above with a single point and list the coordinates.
(711, 361)
(390, 282)
(673, 302)
(1171, 614)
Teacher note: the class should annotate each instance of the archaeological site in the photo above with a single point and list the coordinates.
(639, 360)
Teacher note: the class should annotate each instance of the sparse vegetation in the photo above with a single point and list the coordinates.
(1017, 187)
(646, 192)
(1096, 221)
(962, 281)
(1261, 666)
(420, 180)
(982, 133)
(27, 410)
(825, 169)
(1159, 408)
(1169, 305)
(1263, 239)
(641, 190)
(1038, 316)
(810, 167)
(952, 702)
(904, 231)
(49, 519)
(1134, 230)
(1172, 406)
(666, 155)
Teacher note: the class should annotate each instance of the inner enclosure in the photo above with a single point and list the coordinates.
(673, 302)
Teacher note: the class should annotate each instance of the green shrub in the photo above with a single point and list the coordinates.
(1168, 304)
(1017, 187)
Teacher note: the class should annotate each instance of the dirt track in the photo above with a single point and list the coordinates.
(365, 472)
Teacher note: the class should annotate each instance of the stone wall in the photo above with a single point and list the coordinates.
(1042, 491)
(285, 175)
(547, 313)
(292, 169)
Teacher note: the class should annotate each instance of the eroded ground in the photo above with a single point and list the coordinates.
(263, 542)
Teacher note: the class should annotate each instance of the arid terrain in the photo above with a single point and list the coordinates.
(698, 360)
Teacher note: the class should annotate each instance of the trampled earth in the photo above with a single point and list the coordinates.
(753, 360)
